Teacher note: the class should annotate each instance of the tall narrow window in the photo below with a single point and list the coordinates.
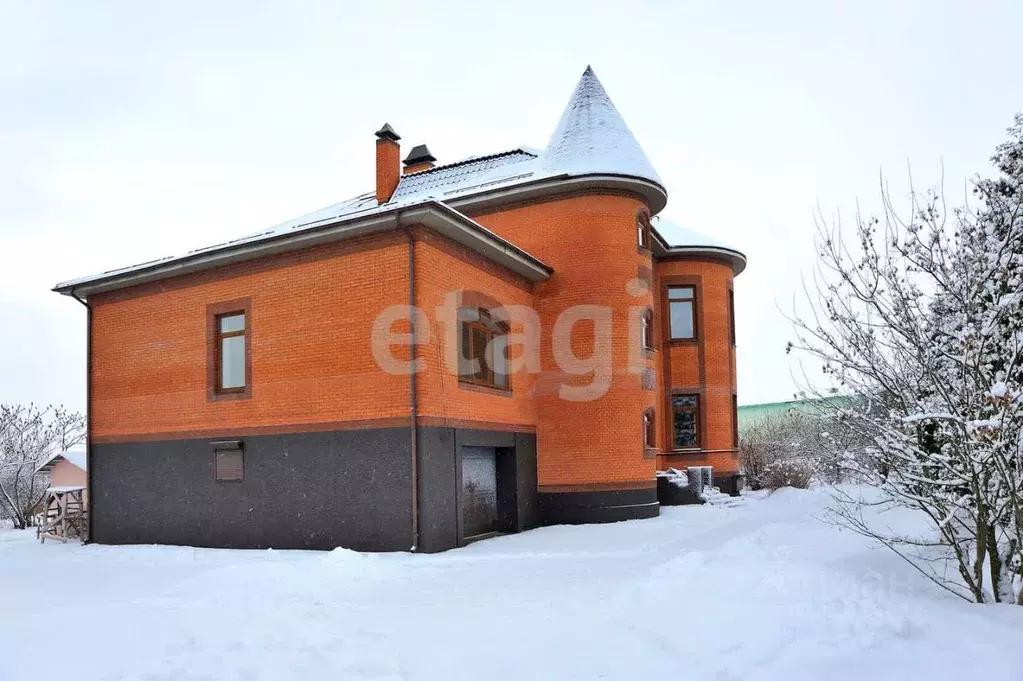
(731, 314)
(682, 312)
(686, 418)
(484, 346)
(230, 349)
(649, 431)
(735, 421)
(642, 232)
(646, 330)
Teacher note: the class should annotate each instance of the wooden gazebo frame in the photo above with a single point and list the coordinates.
(65, 515)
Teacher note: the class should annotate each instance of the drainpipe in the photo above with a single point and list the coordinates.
(413, 397)
(88, 408)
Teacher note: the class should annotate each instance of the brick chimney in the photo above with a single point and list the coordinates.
(388, 162)
(418, 159)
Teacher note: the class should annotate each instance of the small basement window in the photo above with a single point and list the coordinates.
(228, 462)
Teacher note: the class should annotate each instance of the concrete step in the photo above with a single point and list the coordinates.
(716, 497)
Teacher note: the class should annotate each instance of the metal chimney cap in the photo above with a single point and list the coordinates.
(419, 154)
(387, 133)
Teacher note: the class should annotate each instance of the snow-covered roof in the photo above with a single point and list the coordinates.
(65, 488)
(336, 210)
(329, 224)
(679, 239)
(677, 235)
(458, 177)
(476, 173)
(591, 139)
(76, 457)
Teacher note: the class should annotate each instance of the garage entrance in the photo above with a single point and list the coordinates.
(474, 484)
(479, 492)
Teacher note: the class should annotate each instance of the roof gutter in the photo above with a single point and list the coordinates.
(88, 405)
(413, 393)
(661, 244)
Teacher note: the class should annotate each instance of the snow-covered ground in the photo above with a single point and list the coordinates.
(759, 591)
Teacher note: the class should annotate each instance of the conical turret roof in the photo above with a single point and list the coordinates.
(592, 138)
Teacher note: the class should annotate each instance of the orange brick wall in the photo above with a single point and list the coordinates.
(312, 360)
(310, 343)
(706, 366)
(442, 268)
(590, 241)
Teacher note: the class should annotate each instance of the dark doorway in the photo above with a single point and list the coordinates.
(479, 491)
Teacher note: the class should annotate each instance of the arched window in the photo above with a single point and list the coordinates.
(642, 231)
(649, 430)
(646, 329)
(484, 348)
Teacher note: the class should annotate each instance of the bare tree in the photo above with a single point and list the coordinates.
(28, 435)
(923, 319)
(773, 447)
(792, 448)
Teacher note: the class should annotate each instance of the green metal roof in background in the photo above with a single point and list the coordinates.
(752, 413)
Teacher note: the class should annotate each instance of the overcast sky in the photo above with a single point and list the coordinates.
(129, 132)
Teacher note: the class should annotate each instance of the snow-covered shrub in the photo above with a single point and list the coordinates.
(802, 440)
(788, 472)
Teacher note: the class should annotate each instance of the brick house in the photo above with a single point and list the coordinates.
(66, 469)
(259, 392)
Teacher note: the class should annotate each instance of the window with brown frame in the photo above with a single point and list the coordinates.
(646, 330)
(685, 412)
(649, 430)
(682, 312)
(735, 421)
(228, 463)
(642, 232)
(230, 351)
(731, 314)
(484, 349)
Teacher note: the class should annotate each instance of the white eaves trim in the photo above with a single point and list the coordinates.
(736, 259)
(429, 212)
